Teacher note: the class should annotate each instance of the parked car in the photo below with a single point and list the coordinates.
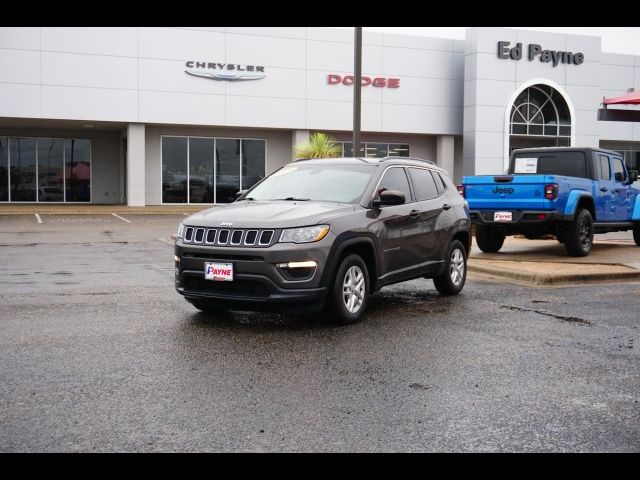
(325, 234)
(572, 193)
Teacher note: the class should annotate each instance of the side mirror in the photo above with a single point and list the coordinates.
(389, 197)
(633, 176)
(240, 193)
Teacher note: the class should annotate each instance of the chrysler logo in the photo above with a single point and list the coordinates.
(230, 72)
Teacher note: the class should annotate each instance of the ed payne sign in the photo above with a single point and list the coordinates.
(380, 82)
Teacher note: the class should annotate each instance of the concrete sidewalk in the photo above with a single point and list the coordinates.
(76, 209)
(614, 257)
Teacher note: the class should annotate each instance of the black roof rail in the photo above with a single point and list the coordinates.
(384, 159)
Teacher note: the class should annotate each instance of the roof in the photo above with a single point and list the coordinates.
(569, 149)
(368, 160)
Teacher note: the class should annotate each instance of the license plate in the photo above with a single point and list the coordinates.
(219, 272)
(502, 216)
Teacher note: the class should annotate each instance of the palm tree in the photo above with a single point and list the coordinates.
(320, 145)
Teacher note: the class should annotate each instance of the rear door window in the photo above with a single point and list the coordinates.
(605, 168)
(423, 184)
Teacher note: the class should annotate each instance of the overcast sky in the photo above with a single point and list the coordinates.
(614, 39)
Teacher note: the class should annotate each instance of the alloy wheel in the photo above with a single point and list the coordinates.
(456, 266)
(353, 289)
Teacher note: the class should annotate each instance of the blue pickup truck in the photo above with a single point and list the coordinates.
(568, 192)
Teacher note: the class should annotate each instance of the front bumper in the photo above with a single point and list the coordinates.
(258, 283)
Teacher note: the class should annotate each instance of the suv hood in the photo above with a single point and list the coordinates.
(268, 214)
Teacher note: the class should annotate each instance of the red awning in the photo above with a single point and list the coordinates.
(632, 98)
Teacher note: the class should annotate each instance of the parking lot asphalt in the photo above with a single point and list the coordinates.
(99, 353)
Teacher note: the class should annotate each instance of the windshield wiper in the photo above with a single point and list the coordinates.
(295, 199)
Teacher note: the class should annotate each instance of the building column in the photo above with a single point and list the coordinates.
(135, 165)
(444, 153)
(298, 137)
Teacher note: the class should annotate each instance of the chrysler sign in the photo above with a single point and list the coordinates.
(231, 72)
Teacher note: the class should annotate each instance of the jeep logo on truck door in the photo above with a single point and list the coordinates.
(507, 190)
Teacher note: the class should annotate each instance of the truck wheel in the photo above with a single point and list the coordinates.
(455, 270)
(560, 237)
(349, 294)
(636, 233)
(578, 235)
(489, 239)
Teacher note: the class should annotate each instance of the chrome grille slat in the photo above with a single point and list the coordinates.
(248, 234)
(233, 236)
(199, 234)
(213, 237)
(226, 233)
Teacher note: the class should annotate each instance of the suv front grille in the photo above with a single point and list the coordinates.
(224, 237)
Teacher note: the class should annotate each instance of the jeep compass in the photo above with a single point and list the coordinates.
(325, 234)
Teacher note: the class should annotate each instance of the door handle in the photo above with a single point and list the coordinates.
(446, 206)
(617, 190)
(604, 189)
(414, 213)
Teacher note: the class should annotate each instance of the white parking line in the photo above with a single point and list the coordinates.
(186, 214)
(121, 218)
(38, 218)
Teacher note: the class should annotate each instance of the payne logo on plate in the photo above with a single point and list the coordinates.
(219, 272)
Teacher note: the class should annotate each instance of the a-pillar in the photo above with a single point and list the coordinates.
(135, 165)
(298, 137)
(445, 153)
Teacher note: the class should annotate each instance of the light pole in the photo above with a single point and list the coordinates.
(357, 84)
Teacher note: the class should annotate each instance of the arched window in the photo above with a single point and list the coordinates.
(540, 112)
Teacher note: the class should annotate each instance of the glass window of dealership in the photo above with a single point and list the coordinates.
(47, 170)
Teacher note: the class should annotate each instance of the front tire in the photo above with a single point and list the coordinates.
(636, 233)
(489, 239)
(349, 294)
(451, 281)
(578, 235)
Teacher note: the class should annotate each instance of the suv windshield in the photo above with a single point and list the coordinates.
(324, 183)
(570, 164)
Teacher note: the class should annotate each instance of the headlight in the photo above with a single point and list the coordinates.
(180, 230)
(304, 234)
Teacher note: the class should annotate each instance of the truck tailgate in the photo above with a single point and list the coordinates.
(496, 192)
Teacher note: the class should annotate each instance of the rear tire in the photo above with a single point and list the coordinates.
(636, 233)
(578, 234)
(560, 237)
(451, 281)
(489, 239)
(349, 294)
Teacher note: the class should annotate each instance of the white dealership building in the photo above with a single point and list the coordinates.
(151, 116)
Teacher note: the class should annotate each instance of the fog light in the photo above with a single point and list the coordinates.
(176, 258)
(297, 270)
(307, 264)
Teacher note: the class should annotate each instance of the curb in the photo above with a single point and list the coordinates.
(552, 279)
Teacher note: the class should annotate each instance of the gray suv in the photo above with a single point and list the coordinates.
(325, 233)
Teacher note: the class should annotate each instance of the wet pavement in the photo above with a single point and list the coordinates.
(99, 353)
